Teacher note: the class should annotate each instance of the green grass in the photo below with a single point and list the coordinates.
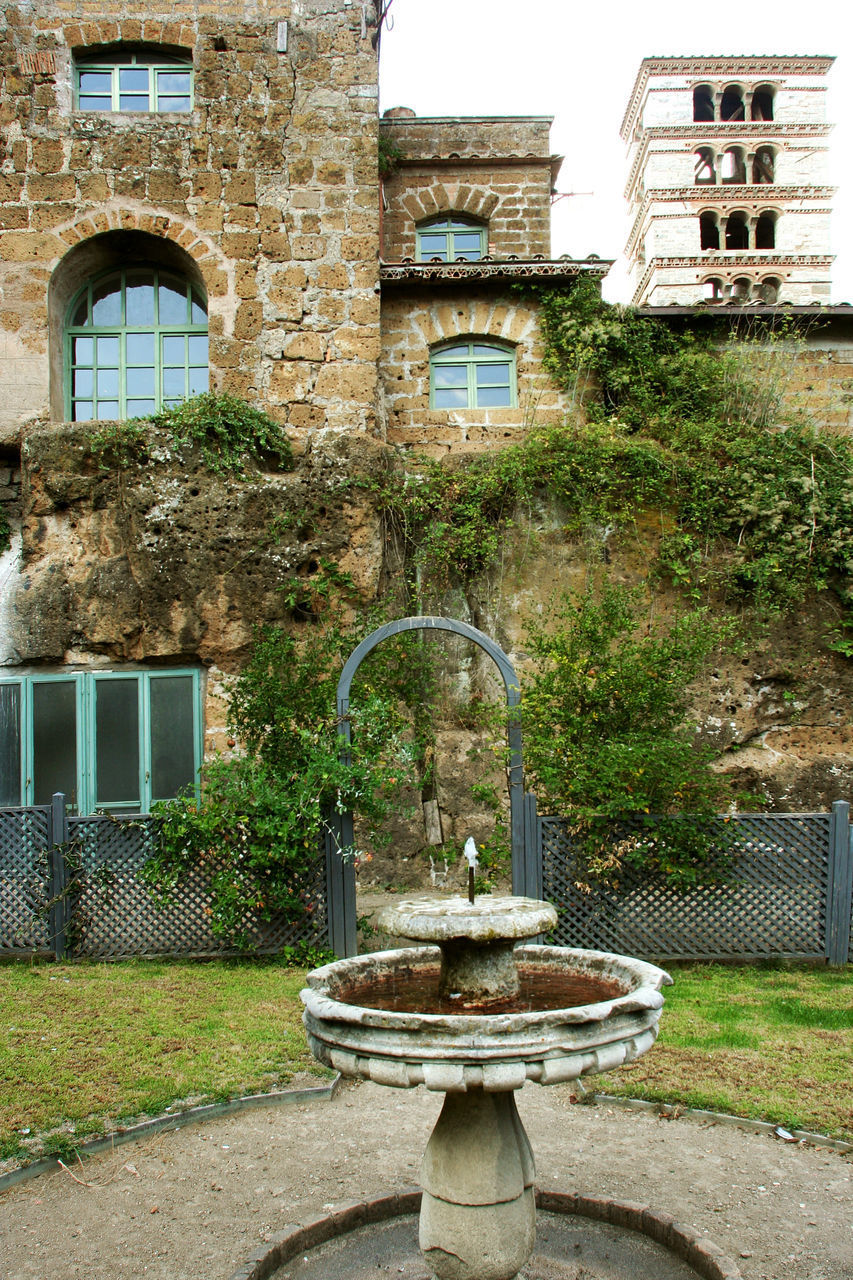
(83, 1046)
(769, 1044)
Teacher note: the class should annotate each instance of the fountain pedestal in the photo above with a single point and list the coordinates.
(478, 1215)
(476, 1020)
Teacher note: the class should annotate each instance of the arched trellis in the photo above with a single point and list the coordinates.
(341, 873)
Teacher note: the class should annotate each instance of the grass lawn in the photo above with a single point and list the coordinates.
(85, 1045)
(88, 1044)
(766, 1043)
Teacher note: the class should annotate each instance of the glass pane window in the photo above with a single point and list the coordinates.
(451, 239)
(10, 744)
(107, 740)
(134, 80)
(117, 742)
(54, 740)
(136, 342)
(473, 375)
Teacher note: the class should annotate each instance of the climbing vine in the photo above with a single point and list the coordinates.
(757, 502)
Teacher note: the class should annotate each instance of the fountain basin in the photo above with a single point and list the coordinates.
(480, 1048)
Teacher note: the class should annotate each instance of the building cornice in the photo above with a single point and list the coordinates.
(492, 269)
(712, 261)
(763, 66)
(730, 131)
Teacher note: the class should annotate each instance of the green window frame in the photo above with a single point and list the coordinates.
(472, 375)
(135, 343)
(451, 239)
(134, 80)
(112, 741)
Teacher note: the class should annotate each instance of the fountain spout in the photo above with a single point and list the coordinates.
(471, 855)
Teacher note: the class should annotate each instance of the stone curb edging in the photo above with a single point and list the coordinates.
(707, 1259)
(192, 1115)
(671, 1111)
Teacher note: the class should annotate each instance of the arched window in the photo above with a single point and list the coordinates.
(731, 104)
(128, 79)
(733, 166)
(764, 165)
(703, 102)
(737, 231)
(762, 102)
(135, 342)
(709, 230)
(713, 290)
(472, 375)
(765, 230)
(704, 172)
(768, 290)
(451, 238)
(741, 289)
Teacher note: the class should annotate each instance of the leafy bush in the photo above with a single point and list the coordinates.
(227, 430)
(607, 732)
(256, 833)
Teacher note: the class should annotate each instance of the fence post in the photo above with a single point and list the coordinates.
(532, 863)
(839, 886)
(59, 912)
(340, 885)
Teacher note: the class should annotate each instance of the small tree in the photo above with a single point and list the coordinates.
(607, 732)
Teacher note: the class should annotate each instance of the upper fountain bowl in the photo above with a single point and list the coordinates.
(382, 1017)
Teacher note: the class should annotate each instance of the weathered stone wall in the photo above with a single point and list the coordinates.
(162, 562)
(498, 171)
(266, 195)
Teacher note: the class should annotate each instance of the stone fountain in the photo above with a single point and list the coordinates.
(474, 1015)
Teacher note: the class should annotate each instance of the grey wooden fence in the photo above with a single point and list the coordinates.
(786, 891)
(72, 886)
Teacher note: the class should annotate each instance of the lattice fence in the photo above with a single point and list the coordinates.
(773, 903)
(25, 837)
(107, 910)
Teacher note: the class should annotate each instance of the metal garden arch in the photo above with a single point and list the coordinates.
(341, 873)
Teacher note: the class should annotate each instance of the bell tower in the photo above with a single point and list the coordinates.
(727, 181)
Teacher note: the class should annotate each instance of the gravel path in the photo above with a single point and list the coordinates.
(195, 1203)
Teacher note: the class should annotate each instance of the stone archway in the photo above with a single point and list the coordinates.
(341, 873)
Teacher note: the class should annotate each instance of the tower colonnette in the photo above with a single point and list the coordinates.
(727, 184)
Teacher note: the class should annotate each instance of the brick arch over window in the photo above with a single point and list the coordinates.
(145, 31)
(111, 247)
(474, 202)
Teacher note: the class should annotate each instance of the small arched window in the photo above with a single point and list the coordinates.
(709, 230)
(762, 102)
(704, 172)
(128, 79)
(472, 375)
(713, 290)
(451, 238)
(768, 290)
(765, 230)
(764, 165)
(733, 166)
(703, 102)
(731, 104)
(737, 231)
(741, 289)
(135, 342)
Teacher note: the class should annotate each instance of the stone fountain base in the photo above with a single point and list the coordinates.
(577, 1238)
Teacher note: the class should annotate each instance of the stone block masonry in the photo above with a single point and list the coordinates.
(263, 194)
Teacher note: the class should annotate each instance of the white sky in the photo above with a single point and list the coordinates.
(577, 62)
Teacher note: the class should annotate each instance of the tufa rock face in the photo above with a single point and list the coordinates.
(164, 560)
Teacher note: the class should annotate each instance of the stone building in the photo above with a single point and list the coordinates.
(191, 199)
(466, 217)
(727, 189)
